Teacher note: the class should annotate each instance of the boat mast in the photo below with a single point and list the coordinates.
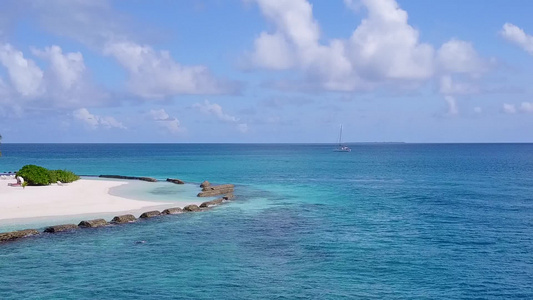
(340, 137)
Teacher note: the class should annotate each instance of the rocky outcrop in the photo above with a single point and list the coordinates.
(229, 196)
(172, 211)
(10, 236)
(205, 184)
(211, 203)
(123, 219)
(149, 179)
(93, 223)
(150, 214)
(61, 228)
(190, 208)
(215, 190)
(175, 180)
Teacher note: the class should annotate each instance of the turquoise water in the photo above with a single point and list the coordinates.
(399, 221)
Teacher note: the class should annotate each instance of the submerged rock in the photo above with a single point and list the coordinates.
(10, 236)
(175, 180)
(93, 223)
(123, 219)
(149, 179)
(172, 211)
(192, 207)
(228, 196)
(61, 228)
(150, 214)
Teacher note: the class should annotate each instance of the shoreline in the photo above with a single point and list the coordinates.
(80, 199)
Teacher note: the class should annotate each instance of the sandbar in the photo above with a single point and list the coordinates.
(84, 196)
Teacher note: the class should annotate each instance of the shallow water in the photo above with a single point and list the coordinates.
(384, 221)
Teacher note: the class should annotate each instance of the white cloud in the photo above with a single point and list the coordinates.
(448, 86)
(384, 45)
(243, 127)
(273, 52)
(526, 107)
(94, 122)
(24, 74)
(152, 73)
(62, 84)
(67, 68)
(216, 110)
(457, 56)
(155, 74)
(165, 121)
(517, 36)
(509, 108)
(452, 105)
(383, 49)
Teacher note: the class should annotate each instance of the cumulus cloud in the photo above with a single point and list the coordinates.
(152, 73)
(383, 49)
(61, 84)
(456, 56)
(386, 46)
(216, 110)
(449, 86)
(24, 74)
(155, 74)
(517, 36)
(67, 68)
(164, 120)
(526, 107)
(509, 108)
(93, 122)
(452, 106)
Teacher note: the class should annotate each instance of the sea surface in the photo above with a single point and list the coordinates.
(385, 221)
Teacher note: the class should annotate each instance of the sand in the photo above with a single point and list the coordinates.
(84, 196)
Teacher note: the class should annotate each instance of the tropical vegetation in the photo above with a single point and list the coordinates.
(36, 175)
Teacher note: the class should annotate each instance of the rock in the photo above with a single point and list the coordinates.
(150, 214)
(175, 180)
(61, 228)
(228, 196)
(172, 211)
(123, 219)
(205, 184)
(218, 187)
(10, 236)
(149, 179)
(93, 223)
(192, 207)
(212, 202)
(215, 190)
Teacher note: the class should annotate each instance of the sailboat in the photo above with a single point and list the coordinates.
(340, 146)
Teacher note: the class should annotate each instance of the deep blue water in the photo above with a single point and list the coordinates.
(394, 221)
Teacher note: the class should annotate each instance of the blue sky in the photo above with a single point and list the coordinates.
(266, 71)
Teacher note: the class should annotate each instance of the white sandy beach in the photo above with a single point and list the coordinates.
(81, 197)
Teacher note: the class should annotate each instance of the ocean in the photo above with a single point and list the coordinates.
(385, 221)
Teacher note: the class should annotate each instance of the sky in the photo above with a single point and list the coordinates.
(266, 71)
